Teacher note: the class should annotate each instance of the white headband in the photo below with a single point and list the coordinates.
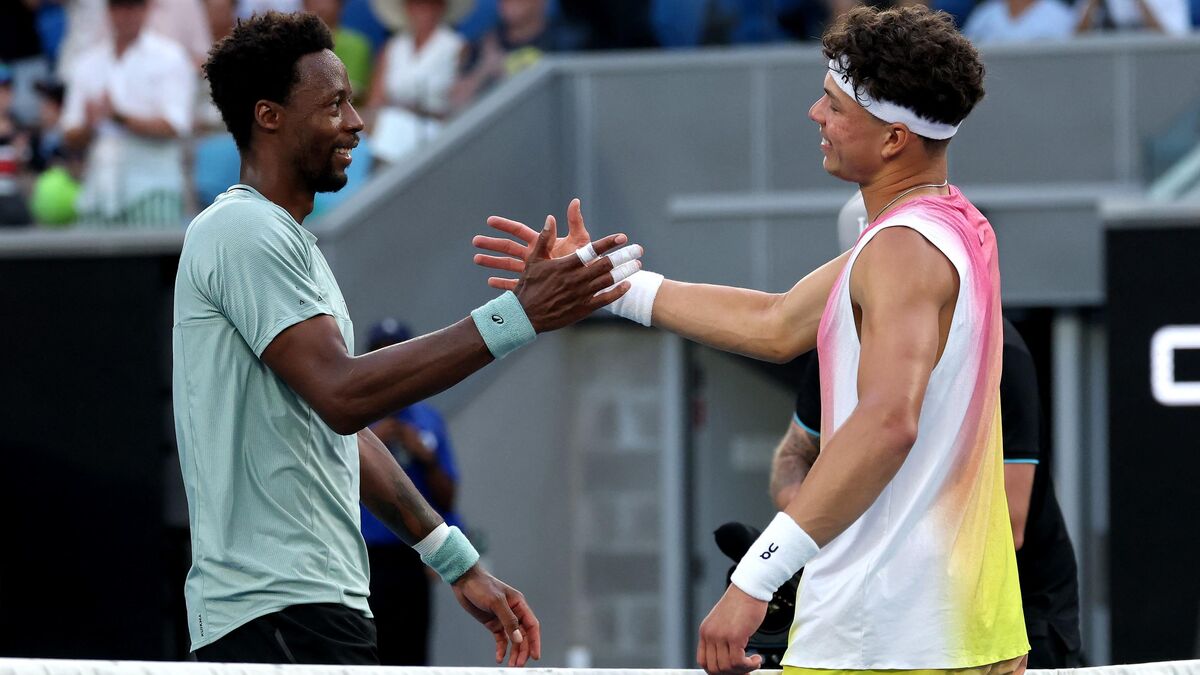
(889, 112)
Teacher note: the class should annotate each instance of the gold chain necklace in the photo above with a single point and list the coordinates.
(909, 190)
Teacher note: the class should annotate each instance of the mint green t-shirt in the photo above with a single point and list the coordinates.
(272, 490)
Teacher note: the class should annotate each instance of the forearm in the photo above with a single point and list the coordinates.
(773, 327)
(731, 319)
(852, 471)
(380, 382)
(1149, 18)
(388, 493)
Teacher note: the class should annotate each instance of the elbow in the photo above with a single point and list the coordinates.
(898, 430)
(1018, 540)
(341, 422)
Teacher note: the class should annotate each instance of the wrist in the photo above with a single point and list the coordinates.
(504, 325)
(448, 552)
(782, 549)
(638, 303)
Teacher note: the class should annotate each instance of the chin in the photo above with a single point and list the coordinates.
(330, 182)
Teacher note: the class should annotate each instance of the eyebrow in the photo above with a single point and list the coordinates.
(829, 93)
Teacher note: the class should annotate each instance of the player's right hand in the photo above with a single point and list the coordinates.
(558, 291)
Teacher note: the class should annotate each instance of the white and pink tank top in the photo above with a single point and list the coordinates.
(927, 577)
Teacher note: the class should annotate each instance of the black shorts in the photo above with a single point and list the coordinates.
(324, 633)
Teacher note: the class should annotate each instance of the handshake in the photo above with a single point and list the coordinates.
(561, 281)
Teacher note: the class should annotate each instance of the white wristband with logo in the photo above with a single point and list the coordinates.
(638, 303)
(782, 549)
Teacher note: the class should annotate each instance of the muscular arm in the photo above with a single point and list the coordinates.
(794, 457)
(350, 392)
(1018, 486)
(773, 327)
(388, 493)
(905, 289)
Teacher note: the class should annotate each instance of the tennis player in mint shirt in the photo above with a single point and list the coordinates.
(271, 406)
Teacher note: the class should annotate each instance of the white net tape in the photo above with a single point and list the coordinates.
(66, 667)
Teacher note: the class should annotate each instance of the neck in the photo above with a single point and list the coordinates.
(120, 45)
(422, 36)
(1017, 7)
(278, 184)
(879, 193)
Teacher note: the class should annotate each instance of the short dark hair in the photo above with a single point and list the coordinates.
(257, 61)
(911, 55)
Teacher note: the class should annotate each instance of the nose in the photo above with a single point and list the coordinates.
(354, 122)
(815, 111)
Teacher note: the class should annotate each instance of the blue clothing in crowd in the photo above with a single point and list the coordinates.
(432, 428)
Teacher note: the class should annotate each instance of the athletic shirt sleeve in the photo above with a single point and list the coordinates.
(1019, 401)
(260, 276)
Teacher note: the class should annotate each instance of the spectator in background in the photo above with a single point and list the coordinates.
(12, 148)
(409, 99)
(351, 46)
(129, 102)
(181, 21)
(1169, 17)
(400, 585)
(524, 34)
(21, 53)
(1014, 21)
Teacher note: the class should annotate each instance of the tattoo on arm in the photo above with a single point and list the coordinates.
(793, 459)
(389, 494)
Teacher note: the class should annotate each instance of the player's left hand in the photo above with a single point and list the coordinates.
(502, 610)
(515, 252)
(725, 632)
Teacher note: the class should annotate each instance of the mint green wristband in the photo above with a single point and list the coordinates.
(503, 324)
(454, 557)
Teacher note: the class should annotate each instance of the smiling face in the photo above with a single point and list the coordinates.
(852, 139)
(321, 125)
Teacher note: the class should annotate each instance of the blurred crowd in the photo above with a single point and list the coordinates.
(105, 119)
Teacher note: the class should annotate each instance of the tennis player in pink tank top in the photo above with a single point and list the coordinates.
(901, 525)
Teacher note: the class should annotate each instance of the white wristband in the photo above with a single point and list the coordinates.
(775, 557)
(432, 541)
(638, 304)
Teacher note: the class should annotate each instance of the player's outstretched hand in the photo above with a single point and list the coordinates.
(502, 610)
(725, 632)
(557, 292)
(513, 253)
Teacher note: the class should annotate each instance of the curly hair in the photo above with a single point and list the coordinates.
(257, 61)
(912, 56)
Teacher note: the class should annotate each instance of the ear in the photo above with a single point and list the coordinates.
(268, 115)
(898, 138)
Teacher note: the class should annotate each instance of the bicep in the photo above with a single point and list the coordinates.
(901, 283)
(309, 356)
(799, 310)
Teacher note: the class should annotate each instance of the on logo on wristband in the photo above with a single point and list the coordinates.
(766, 555)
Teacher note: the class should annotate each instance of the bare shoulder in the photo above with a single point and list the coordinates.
(899, 262)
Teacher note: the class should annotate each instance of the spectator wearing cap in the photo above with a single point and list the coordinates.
(409, 99)
(129, 102)
(1166, 17)
(400, 585)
